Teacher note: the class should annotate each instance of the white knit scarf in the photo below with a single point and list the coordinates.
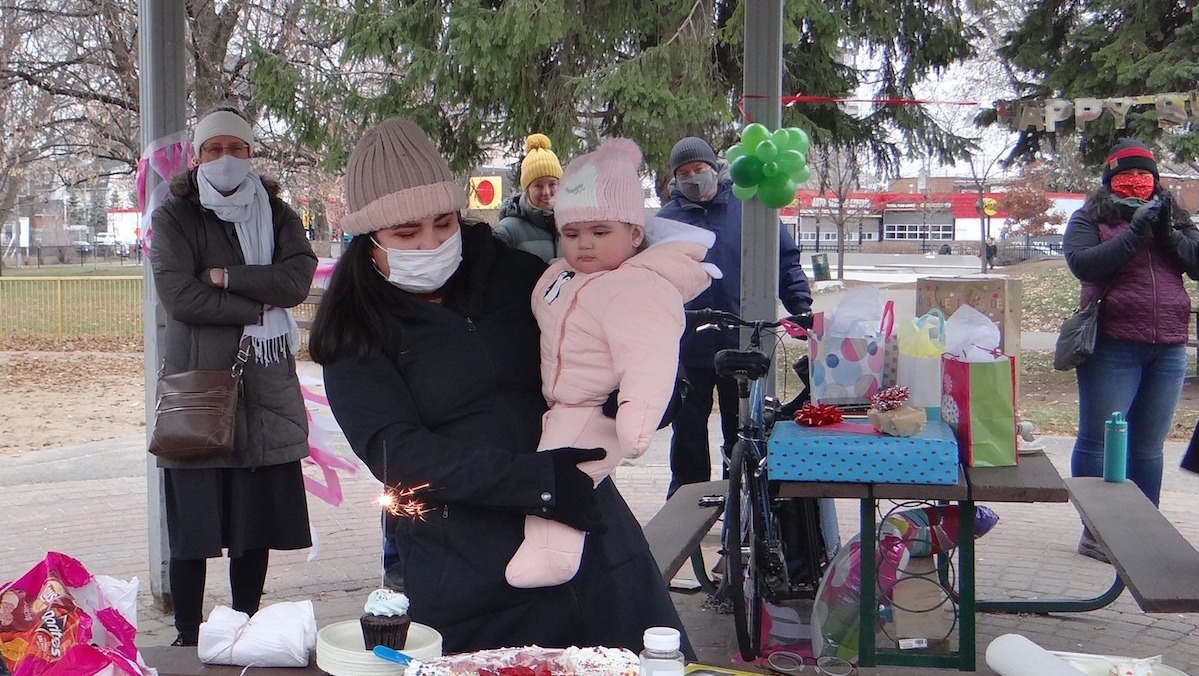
(249, 210)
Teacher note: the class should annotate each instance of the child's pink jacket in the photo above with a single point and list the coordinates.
(617, 329)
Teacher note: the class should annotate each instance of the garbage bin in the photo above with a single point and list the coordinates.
(820, 270)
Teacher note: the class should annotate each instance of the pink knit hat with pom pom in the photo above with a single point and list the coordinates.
(602, 185)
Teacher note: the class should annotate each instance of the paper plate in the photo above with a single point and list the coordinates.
(1102, 668)
(340, 650)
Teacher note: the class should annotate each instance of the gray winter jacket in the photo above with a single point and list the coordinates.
(527, 228)
(204, 323)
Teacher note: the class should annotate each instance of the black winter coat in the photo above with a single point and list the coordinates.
(454, 401)
(205, 323)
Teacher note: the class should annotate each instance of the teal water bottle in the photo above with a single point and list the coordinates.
(1115, 449)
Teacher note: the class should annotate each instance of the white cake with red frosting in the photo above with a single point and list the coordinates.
(560, 662)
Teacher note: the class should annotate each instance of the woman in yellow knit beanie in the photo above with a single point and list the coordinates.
(527, 218)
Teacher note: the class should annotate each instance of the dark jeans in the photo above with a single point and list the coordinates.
(1143, 382)
(690, 458)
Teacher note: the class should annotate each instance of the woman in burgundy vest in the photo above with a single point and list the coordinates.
(1131, 244)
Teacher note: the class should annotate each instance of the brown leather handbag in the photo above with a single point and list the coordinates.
(194, 411)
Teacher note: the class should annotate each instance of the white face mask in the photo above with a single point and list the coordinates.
(226, 172)
(423, 271)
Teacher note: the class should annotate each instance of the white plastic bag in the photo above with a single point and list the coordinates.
(279, 635)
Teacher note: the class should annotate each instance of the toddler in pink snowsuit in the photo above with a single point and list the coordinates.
(611, 315)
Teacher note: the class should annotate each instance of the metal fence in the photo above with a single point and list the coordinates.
(76, 307)
(69, 307)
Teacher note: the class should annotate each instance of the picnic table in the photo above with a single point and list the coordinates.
(1157, 564)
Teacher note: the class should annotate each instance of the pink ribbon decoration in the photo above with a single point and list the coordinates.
(166, 156)
(320, 450)
(324, 272)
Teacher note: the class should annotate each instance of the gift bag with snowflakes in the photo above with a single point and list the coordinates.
(978, 400)
(850, 361)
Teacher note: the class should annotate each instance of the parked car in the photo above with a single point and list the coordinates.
(82, 245)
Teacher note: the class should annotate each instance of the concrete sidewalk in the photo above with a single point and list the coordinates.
(89, 501)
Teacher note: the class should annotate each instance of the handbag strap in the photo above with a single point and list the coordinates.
(243, 355)
(239, 361)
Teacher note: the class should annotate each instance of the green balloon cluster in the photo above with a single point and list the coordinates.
(769, 165)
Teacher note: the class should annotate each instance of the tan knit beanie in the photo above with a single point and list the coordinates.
(539, 160)
(395, 175)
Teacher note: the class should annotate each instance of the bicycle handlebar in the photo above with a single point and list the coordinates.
(795, 325)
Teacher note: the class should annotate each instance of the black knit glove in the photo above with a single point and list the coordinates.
(611, 405)
(1163, 227)
(1144, 219)
(574, 493)
(803, 317)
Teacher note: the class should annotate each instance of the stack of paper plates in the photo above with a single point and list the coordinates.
(340, 650)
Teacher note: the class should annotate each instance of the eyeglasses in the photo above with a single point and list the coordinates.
(241, 150)
(787, 662)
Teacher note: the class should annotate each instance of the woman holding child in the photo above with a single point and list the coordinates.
(431, 365)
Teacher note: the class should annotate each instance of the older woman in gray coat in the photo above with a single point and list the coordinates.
(228, 256)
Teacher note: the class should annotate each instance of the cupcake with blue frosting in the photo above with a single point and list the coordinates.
(385, 620)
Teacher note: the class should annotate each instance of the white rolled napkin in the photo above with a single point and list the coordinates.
(279, 635)
(1015, 655)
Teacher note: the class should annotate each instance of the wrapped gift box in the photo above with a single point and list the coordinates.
(855, 453)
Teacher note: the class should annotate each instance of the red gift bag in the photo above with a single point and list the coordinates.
(978, 400)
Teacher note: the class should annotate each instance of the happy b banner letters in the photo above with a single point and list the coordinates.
(1047, 114)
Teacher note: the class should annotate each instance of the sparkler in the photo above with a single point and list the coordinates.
(401, 501)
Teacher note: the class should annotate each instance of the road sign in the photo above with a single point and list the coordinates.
(485, 192)
(990, 206)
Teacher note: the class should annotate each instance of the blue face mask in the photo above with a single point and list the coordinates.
(698, 187)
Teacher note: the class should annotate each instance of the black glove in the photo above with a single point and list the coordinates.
(803, 317)
(1145, 218)
(1163, 227)
(611, 404)
(574, 494)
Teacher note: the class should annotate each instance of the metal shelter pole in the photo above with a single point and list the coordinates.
(759, 224)
(163, 106)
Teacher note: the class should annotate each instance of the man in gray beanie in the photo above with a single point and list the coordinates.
(702, 195)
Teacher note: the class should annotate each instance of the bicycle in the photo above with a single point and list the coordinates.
(755, 536)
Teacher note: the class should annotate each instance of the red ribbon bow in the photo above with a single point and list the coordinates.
(815, 415)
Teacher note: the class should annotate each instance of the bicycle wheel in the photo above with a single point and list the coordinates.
(740, 550)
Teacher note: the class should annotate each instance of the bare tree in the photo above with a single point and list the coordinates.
(837, 170)
(68, 68)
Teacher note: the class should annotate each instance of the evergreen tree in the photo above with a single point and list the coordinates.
(1105, 48)
(480, 75)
